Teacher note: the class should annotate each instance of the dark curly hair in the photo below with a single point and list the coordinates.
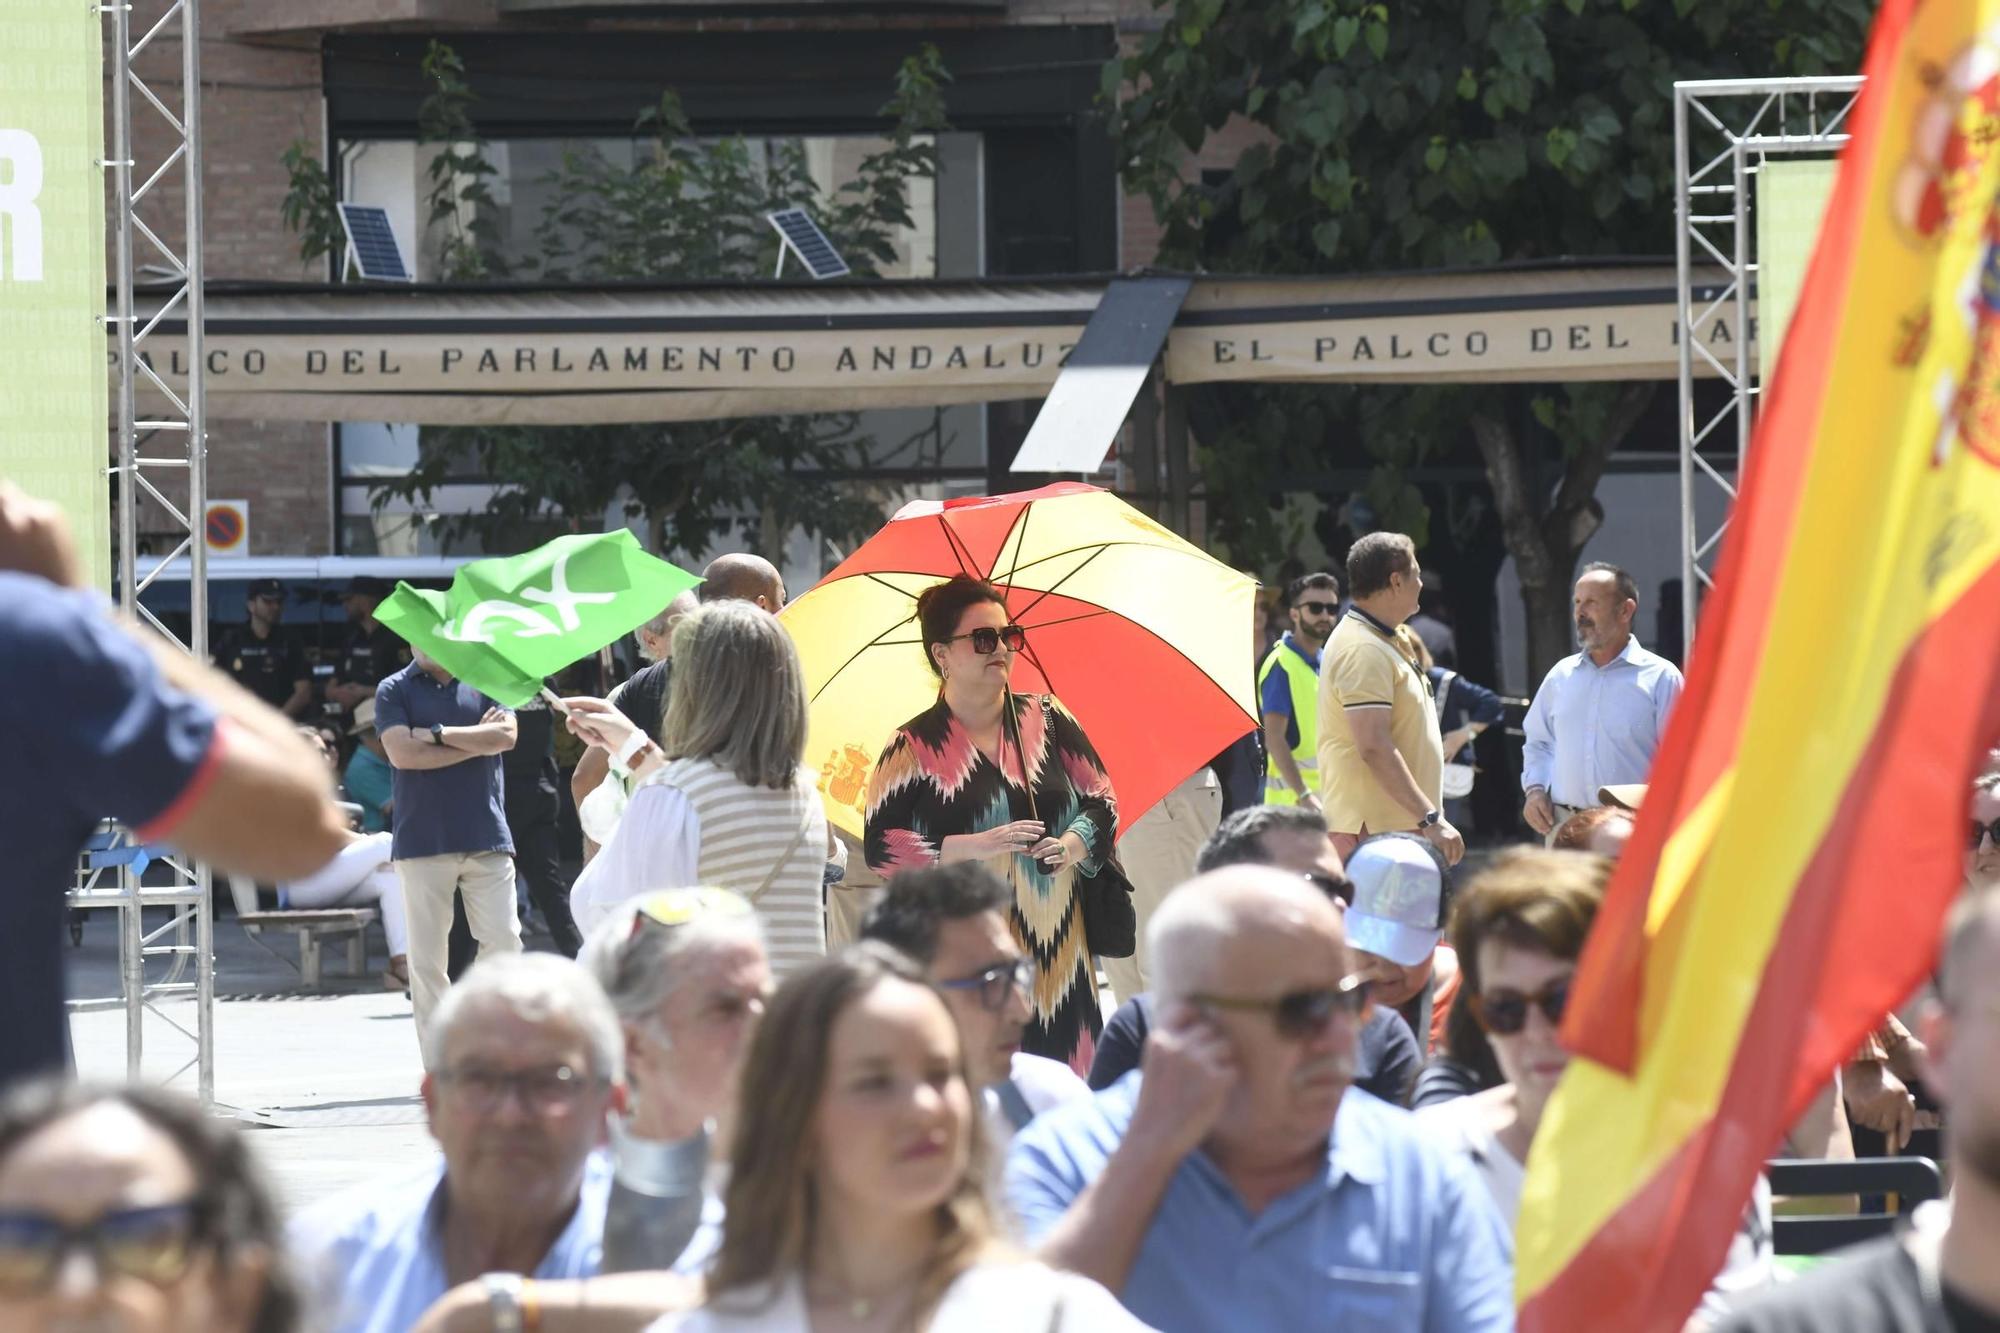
(941, 606)
(232, 1192)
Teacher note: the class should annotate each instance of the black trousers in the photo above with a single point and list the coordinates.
(531, 818)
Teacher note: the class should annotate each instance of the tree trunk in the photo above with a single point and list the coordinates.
(1546, 539)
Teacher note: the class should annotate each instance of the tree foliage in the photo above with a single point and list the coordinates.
(686, 208)
(1426, 135)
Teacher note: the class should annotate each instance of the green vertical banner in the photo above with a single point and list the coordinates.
(54, 386)
(1791, 199)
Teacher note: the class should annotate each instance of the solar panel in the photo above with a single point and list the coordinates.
(803, 238)
(371, 244)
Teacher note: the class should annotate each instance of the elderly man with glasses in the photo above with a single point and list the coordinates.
(526, 1066)
(953, 921)
(1238, 1180)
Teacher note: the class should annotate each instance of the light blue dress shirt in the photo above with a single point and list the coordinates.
(1597, 726)
(372, 1259)
(1398, 1234)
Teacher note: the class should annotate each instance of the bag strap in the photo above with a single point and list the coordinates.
(1012, 1104)
(1013, 724)
(1443, 690)
(798, 836)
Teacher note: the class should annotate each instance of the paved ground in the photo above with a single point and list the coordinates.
(329, 1080)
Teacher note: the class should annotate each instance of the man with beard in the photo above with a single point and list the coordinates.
(1237, 1180)
(1599, 715)
(1942, 1271)
(1288, 689)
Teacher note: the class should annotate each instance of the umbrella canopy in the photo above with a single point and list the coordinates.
(1142, 635)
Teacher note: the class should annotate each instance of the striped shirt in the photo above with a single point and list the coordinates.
(742, 832)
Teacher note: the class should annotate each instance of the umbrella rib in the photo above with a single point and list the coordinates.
(1051, 590)
(1020, 535)
(959, 551)
(876, 642)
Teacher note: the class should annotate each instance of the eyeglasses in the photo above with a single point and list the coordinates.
(1505, 1012)
(997, 984)
(1303, 1014)
(542, 1091)
(986, 640)
(680, 907)
(155, 1245)
(1338, 887)
(1981, 832)
(1317, 608)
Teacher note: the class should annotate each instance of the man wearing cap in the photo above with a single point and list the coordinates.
(1599, 715)
(372, 649)
(1402, 896)
(262, 658)
(368, 779)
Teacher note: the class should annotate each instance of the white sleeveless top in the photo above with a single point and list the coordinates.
(694, 823)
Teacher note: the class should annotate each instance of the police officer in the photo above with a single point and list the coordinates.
(263, 659)
(371, 651)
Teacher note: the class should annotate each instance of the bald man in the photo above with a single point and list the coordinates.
(744, 577)
(1237, 1180)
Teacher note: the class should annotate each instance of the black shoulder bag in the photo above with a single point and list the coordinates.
(1110, 925)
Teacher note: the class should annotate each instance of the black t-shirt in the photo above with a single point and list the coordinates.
(531, 764)
(1385, 1058)
(268, 668)
(644, 698)
(1870, 1288)
(370, 656)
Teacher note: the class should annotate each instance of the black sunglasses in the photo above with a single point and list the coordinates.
(1981, 832)
(986, 639)
(155, 1245)
(1317, 608)
(997, 984)
(1303, 1014)
(1505, 1012)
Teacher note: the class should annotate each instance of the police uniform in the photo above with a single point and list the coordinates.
(269, 667)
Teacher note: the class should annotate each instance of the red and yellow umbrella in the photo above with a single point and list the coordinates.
(1145, 637)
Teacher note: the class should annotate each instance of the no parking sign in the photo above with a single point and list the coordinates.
(226, 527)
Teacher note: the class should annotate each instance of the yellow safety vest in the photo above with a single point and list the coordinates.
(1304, 681)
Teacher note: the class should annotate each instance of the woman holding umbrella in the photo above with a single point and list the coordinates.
(1008, 779)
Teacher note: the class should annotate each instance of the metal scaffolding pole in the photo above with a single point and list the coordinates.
(1724, 130)
(169, 444)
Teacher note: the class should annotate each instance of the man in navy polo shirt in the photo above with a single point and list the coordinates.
(105, 723)
(449, 822)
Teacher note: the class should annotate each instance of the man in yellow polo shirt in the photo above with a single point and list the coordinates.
(1381, 760)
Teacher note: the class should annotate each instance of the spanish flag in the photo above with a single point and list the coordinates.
(1805, 827)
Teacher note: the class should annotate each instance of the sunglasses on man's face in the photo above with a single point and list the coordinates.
(1504, 1012)
(986, 640)
(155, 1245)
(1301, 1015)
(1981, 832)
(1318, 608)
(997, 984)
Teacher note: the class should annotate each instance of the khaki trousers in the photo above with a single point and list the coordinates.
(848, 901)
(1159, 854)
(486, 880)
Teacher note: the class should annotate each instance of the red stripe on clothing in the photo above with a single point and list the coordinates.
(160, 826)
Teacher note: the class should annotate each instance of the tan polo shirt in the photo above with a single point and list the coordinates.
(1361, 668)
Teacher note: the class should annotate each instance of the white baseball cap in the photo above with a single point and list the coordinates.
(1398, 908)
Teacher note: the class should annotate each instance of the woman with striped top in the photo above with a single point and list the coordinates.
(723, 800)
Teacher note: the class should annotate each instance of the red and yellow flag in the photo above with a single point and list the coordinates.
(1804, 831)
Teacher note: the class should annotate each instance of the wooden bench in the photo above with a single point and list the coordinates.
(313, 928)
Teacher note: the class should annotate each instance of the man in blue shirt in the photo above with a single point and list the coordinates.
(1237, 1181)
(1599, 715)
(449, 821)
(1288, 691)
(106, 723)
(526, 1061)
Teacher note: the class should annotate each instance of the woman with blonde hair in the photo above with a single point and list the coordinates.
(722, 800)
(857, 1192)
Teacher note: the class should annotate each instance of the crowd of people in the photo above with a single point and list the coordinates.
(1331, 1042)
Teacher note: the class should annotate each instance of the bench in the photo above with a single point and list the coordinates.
(313, 928)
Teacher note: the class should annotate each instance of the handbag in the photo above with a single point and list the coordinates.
(1110, 923)
(1458, 778)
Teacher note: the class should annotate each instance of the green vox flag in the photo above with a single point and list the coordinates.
(504, 624)
(53, 386)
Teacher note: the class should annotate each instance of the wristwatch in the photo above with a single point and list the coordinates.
(1434, 817)
(503, 1299)
(437, 733)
